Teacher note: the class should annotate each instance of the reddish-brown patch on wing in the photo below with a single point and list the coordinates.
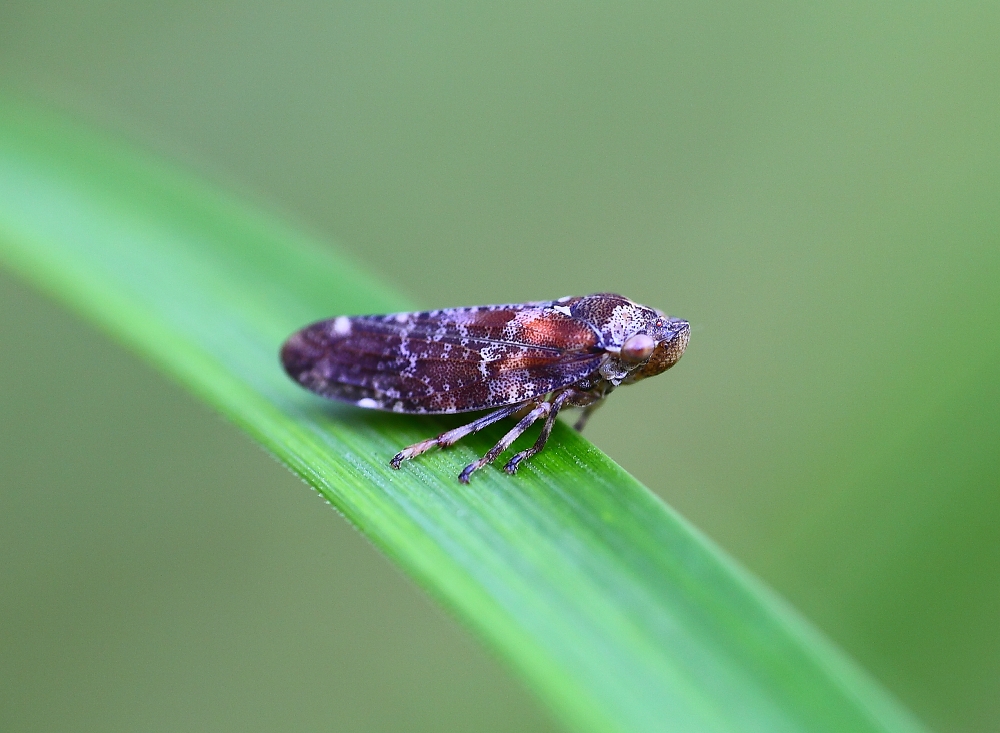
(486, 324)
(517, 373)
(548, 328)
(451, 361)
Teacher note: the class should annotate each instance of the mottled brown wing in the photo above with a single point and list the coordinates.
(453, 360)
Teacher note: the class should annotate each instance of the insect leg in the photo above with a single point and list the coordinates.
(558, 401)
(504, 443)
(453, 436)
(581, 421)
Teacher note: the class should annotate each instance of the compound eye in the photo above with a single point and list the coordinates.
(637, 348)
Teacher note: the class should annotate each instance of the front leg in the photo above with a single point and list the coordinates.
(581, 422)
(589, 399)
(541, 409)
(557, 402)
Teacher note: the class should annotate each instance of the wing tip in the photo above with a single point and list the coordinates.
(296, 356)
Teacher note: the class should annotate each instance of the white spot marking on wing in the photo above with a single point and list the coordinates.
(341, 325)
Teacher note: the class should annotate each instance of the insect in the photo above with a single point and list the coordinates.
(524, 360)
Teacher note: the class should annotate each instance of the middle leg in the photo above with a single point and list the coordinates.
(453, 436)
(557, 402)
(542, 408)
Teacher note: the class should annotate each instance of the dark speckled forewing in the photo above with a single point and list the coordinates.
(453, 360)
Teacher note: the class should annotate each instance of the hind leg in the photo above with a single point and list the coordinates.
(453, 436)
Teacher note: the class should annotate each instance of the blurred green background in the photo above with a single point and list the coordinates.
(817, 189)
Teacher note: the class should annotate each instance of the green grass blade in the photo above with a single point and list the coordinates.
(617, 613)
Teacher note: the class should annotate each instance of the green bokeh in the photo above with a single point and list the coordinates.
(816, 188)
